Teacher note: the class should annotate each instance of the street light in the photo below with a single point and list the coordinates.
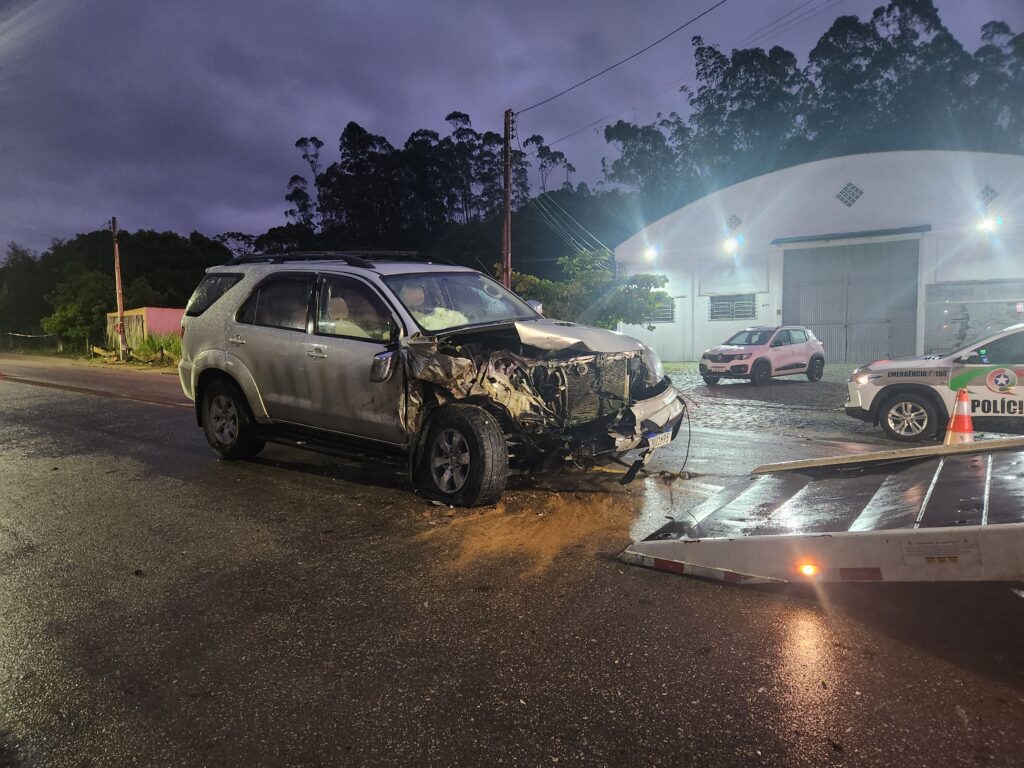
(989, 224)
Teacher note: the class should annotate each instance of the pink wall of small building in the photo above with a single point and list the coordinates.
(161, 320)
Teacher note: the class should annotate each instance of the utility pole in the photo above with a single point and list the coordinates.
(122, 341)
(506, 229)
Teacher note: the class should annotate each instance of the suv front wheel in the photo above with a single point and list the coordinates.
(227, 422)
(464, 459)
(909, 418)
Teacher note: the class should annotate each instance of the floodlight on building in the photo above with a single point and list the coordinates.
(651, 252)
(731, 244)
(989, 224)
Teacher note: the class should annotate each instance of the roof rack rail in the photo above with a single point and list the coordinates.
(402, 256)
(363, 259)
(348, 257)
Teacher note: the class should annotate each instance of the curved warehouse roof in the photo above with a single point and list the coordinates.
(883, 194)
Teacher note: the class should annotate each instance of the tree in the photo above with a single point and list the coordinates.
(592, 293)
(80, 305)
(22, 291)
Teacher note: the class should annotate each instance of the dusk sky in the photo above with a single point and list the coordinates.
(183, 115)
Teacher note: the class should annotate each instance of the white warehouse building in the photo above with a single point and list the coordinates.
(882, 255)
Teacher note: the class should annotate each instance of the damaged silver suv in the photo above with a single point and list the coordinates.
(436, 366)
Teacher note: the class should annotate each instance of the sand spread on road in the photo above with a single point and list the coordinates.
(538, 526)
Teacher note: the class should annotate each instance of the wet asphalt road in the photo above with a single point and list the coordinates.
(162, 608)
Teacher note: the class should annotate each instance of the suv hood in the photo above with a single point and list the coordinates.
(556, 335)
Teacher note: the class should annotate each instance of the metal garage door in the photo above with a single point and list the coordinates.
(860, 300)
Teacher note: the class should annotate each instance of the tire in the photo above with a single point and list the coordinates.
(228, 422)
(464, 459)
(909, 418)
(711, 380)
(761, 373)
(816, 369)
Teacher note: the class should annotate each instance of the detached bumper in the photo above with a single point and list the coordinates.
(654, 416)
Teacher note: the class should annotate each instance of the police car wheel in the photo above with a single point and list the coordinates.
(908, 418)
(711, 380)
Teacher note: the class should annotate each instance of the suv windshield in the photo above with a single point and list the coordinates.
(750, 338)
(441, 301)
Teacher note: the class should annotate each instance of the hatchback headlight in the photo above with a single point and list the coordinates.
(744, 356)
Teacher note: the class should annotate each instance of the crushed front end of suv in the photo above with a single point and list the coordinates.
(911, 398)
(437, 366)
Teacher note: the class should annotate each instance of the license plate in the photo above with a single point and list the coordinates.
(659, 441)
(719, 368)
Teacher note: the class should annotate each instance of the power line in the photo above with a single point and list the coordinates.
(628, 58)
(757, 34)
(806, 16)
(775, 21)
(569, 216)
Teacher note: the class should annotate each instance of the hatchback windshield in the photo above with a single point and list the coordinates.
(440, 301)
(750, 338)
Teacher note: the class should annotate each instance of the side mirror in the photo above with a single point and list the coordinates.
(970, 357)
(383, 366)
(536, 306)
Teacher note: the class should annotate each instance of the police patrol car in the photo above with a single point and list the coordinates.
(912, 398)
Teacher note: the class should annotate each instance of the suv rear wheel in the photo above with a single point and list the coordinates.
(464, 459)
(909, 418)
(227, 421)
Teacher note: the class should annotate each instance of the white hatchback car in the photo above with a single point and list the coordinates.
(438, 366)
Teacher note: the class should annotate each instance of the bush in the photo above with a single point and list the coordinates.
(151, 346)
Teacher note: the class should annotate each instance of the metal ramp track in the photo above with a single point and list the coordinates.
(945, 513)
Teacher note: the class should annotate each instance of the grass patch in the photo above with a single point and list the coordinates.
(151, 346)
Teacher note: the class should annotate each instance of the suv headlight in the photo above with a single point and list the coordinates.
(743, 356)
(860, 379)
(654, 365)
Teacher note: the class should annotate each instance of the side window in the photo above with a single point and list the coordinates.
(781, 339)
(798, 337)
(1008, 350)
(281, 302)
(208, 291)
(351, 309)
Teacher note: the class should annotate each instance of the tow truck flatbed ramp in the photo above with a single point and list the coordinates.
(943, 513)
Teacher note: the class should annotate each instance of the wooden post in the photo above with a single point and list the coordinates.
(506, 229)
(122, 340)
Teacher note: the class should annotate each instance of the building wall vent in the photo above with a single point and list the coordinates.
(733, 222)
(849, 194)
(987, 195)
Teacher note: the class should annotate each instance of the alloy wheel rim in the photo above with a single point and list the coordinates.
(224, 419)
(449, 461)
(907, 419)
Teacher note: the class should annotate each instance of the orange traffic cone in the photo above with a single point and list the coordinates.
(960, 429)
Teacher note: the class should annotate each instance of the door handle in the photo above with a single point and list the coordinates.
(237, 340)
(316, 352)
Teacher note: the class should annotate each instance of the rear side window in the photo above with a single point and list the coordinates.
(798, 337)
(281, 302)
(209, 290)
